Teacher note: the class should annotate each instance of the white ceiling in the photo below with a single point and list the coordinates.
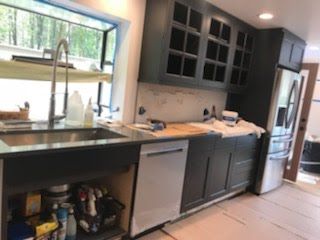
(301, 17)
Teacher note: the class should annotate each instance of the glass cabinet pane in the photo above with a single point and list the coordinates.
(212, 50)
(189, 68)
(208, 71)
(246, 60)
(223, 53)
(177, 39)
(192, 44)
(174, 64)
(215, 28)
(220, 73)
(195, 20)
(237, 58)
(226, 33)
(235, 76)
(180, 13)
(241, 39)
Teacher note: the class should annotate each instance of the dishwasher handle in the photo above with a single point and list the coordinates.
(163, 152)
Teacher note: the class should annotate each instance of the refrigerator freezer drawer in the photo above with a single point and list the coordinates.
(273, 171)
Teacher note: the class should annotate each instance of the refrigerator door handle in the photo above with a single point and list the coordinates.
(283, 140)
(280, 157)
(294, 93)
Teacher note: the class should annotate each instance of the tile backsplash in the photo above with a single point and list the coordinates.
(176, 104)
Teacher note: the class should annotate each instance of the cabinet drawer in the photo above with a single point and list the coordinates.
(249, 141)
(242, 179)
(201, 144)
(226, 143)
(244, 154)
(245, 166)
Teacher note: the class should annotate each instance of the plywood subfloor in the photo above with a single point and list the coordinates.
(289, 213)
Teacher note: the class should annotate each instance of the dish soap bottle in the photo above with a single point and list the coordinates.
(75, 110)
(88, 115)
(71, 226)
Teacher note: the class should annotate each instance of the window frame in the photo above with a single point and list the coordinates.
(114, 27)
(102, 63)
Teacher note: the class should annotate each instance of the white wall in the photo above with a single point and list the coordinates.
(172, 104)
(130, 15)
(176, 104)
(313, 127)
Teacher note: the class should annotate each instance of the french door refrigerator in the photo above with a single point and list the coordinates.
(277, 146)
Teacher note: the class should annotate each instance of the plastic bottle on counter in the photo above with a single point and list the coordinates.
(88, 115)
(71, 226)
(75, 110)
(62, 215)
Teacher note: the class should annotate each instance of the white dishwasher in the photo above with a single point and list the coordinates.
(159, 184)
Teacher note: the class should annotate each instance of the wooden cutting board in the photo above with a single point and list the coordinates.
(180, 129)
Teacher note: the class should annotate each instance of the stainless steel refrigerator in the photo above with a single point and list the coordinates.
(278, 143)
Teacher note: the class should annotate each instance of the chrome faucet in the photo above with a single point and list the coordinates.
(52, 117)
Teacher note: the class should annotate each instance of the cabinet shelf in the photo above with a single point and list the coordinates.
(218, 40)
(185, 28)
(181, 53)
(38, 72)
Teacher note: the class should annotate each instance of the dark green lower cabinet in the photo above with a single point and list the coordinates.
(212, 172)
(218, 172)
(194, 193)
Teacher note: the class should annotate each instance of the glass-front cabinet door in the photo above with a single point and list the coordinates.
(182, 45)
(217, 48)
(243, 54)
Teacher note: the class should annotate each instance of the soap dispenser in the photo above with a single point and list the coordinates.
(75, 110)
(88, 115)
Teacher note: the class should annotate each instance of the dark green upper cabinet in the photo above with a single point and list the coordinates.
(292, 51)
(191, 43)
(173, 33)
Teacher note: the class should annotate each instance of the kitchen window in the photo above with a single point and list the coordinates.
(33, 29)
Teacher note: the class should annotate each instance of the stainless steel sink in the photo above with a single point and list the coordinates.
(57, 136)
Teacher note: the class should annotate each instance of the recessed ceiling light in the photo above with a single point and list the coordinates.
(266, 16)
(314, 48)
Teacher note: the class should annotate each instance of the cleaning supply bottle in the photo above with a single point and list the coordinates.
(88, 115)
(71, 226)
(55, 208)
(75, 110)
(62, 215)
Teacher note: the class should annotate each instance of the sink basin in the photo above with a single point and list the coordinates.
(57, 136)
